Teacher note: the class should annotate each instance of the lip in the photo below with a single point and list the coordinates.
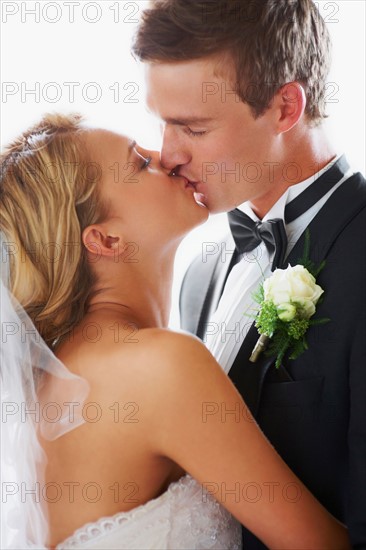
(186, 181)
(198, 197)
(190, 183)
(187, 184)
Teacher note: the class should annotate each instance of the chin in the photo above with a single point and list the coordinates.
(201, 215)
(204, 217)
(219, 209)
(222, 206)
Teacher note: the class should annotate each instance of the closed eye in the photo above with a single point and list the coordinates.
(195, 134)
(146, 162)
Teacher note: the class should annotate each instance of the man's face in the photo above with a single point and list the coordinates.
(210, 136)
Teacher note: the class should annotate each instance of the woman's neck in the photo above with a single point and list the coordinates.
(139, 293)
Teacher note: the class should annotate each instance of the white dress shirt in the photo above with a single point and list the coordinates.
(229, 324)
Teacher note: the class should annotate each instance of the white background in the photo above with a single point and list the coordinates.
(47, 44)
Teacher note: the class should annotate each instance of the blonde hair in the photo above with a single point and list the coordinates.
(48, 195)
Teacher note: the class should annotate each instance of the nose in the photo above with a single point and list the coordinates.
(174, 151)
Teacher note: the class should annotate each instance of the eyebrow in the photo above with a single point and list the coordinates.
(187, 121)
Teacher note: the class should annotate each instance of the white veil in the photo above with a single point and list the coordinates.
(27, 412)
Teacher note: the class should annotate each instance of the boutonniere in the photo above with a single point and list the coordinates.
(287, 301)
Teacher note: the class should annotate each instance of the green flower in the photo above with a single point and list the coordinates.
(286, 312)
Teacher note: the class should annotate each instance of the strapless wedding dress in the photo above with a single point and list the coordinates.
(185, 516)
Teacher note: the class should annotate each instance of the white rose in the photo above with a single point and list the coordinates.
(294, 285)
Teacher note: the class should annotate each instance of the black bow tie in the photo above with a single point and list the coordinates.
(248, 234)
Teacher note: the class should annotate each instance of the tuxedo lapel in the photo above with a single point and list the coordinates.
(193, 295)
(201, 289)
(343, 205)
(204, 311)
(215, 289)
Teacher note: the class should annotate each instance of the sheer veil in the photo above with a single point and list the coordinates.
(40, 397)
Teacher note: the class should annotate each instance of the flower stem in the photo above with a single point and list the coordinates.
(260, 346)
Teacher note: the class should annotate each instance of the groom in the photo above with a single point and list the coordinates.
(239, 87)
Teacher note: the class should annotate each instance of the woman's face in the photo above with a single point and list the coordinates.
(145, 203)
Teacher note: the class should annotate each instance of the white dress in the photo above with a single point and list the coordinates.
(185, 516)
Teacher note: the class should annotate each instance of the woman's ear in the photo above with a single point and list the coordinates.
(98, 242)
(291, 103)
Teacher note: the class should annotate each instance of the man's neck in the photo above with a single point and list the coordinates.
(311, 155)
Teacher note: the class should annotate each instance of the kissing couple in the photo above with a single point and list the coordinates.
(118, 433)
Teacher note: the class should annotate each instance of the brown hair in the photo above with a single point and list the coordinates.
(271, 42)
(48, 195)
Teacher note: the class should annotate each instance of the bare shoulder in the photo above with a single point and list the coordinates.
(181, 349)
(161, 352)
(165, 342)
(146, 359)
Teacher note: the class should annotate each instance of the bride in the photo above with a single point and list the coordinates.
(164, 453)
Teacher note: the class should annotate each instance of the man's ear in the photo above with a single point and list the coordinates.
(98, 242)
(290, 101)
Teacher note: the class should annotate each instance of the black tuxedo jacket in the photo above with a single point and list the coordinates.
(313, 409)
